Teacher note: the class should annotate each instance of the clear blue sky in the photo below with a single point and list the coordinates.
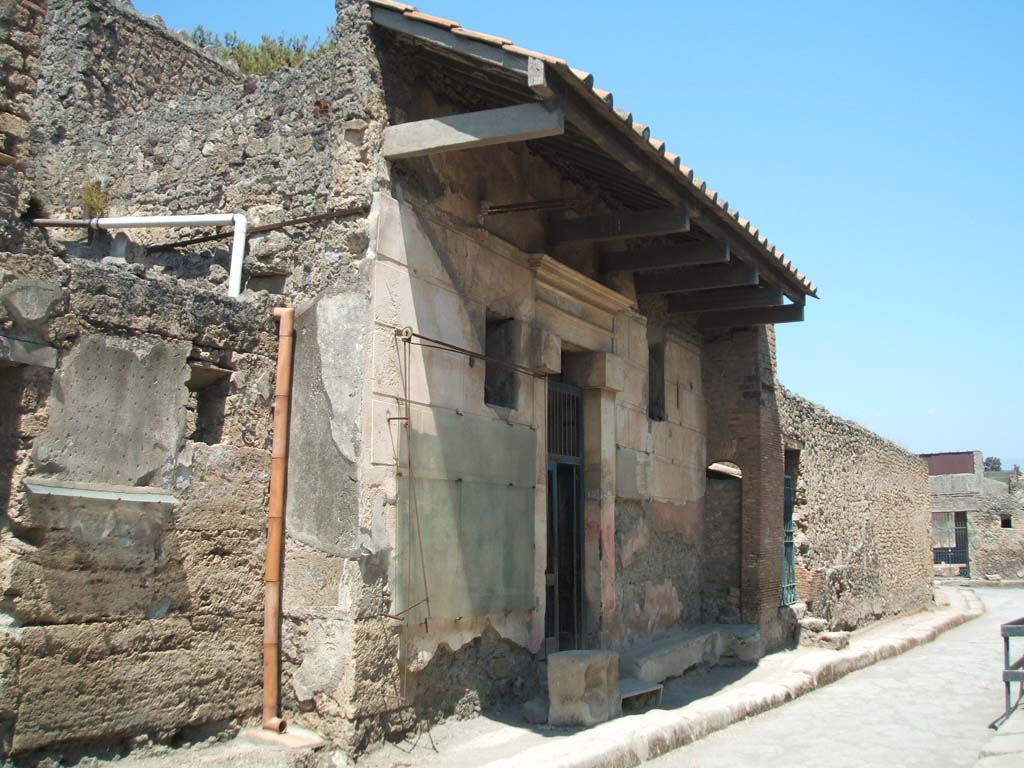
(877, 143)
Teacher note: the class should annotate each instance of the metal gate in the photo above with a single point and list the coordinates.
(563, 574)
(788, 547)
(959, 553)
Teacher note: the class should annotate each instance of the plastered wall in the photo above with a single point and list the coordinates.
(660, 467)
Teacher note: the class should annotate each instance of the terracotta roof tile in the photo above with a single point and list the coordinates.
(585, 77)
(605, 98)
(512, 48)
(481, 36)
(436, 21)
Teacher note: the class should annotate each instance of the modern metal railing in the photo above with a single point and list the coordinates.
(1012, 673)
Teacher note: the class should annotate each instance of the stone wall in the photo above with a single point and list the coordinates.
(144, 540)
(135, 451)
(997, 551)
(20, 46)
(103, 59)
(862, 519)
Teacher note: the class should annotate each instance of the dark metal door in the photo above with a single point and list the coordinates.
(563, 574)
(788, 547)
(959, 553)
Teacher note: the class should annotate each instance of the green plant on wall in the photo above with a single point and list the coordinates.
(261, 58)
(96, 196)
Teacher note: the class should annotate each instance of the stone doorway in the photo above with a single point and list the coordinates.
(563, 574)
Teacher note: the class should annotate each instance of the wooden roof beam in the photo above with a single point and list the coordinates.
(747, 297)
(621, 225)
(693, 279)
(663, 257)
(790, 313)
(473, 129)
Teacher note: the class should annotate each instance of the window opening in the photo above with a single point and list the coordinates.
(1005, 521)
(501, 385)
(656, 382)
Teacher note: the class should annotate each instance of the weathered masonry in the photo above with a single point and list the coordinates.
(860, 507)
(529, 347)
(977, 518)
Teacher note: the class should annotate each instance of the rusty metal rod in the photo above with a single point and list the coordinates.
(444, 346)
(275, 525)
(314, 218)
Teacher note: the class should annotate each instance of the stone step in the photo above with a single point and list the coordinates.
(631, 688)
(673, 653)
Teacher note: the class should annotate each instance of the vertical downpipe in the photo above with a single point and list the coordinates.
(275, 524)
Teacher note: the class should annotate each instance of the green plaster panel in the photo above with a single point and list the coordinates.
(447, 444)
(473, 516)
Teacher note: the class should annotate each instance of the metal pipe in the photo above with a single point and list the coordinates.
(275, 524)
(260, 228)
(237, 220)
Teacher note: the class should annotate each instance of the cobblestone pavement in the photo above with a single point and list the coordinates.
(928, 707)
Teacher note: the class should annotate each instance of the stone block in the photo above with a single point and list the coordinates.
(583, 687)
(672, 654)
(222, 488)
(20, 352)
(545, 350)
(223, 570)
(596, 370)
(30, 302)
(101, 681)
(633, 474)
(117, 415)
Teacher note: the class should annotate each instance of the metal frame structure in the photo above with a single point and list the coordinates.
(788, 546)
(565, 450)
(1012, 673)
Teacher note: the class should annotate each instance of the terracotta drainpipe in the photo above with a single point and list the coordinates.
(275, 525)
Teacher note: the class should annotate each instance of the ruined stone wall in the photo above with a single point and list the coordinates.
(21, 23)
(135, 458)
(103, 59)
(132, 541)
(862, 519)
(297, 143)
(996, 551)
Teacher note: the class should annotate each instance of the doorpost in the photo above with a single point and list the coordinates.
(601, 375)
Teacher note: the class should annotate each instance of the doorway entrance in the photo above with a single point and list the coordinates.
(563, 573)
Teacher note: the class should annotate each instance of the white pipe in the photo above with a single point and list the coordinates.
(238, 220)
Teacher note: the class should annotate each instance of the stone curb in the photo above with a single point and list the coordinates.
(627, 742)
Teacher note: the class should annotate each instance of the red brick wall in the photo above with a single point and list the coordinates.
(743, 427)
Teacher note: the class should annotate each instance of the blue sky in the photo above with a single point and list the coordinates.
(877, 143)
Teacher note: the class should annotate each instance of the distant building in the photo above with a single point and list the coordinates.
(977, 518)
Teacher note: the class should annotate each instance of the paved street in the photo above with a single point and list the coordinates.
(929, 707)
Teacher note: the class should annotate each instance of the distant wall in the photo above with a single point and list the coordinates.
(862, 518)
(995, 550)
